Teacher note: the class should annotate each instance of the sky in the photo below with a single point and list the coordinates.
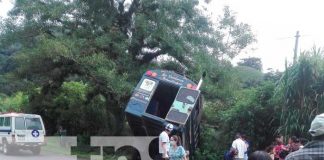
(274, 22)
(5, 6)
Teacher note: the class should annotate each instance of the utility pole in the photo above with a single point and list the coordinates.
(286, 64)
(296, 46)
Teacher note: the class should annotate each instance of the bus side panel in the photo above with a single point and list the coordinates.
(154, 125)
(134, 112)
(136, 125)
(191, 131)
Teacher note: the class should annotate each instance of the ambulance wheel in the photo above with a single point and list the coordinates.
(6, 149)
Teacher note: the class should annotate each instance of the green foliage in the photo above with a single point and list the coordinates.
(208, 145)
(106, 46)
(72, 96)
(249, 77)
(273, 76)
(282, 103)
(68, 105)
(300, 92)
(252, 62)
(14, 103)
(252, 113)
(230, 28)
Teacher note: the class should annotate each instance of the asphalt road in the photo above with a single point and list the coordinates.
(27, 155)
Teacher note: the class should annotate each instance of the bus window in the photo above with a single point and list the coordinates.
(162, 99)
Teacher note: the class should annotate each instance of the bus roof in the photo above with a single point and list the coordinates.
(169, 76)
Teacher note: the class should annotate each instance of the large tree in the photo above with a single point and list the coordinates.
(104, 46)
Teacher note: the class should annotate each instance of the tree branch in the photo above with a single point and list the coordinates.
(148, 57)
(132, 9)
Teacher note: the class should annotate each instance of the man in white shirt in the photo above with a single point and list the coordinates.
(164, 143)
(240, 146)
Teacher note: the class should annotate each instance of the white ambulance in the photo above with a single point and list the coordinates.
(21, 131)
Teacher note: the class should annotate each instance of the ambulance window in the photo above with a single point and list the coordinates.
(1, 121)
(7, 121)
(20, 123)
(33, 123)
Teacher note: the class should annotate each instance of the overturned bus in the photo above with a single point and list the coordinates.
(163, 97)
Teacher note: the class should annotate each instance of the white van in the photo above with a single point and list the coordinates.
(21, 131)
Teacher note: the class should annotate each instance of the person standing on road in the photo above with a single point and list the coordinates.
(177, 152)
(240, 146)
(244, 138)
(164, 142)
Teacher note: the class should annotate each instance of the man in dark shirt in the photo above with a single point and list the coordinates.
(314, 150)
